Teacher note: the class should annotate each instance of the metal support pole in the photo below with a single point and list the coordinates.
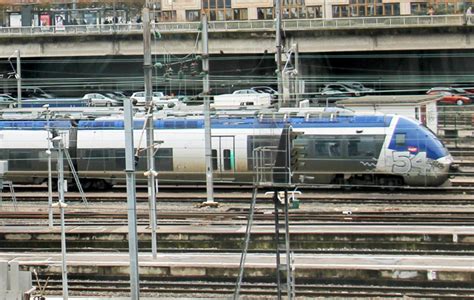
(18, 76)
(278, 52)
(207, 113)
(277, 241)
(243, 256)
(131, 204)
(296, 77)
(50, 179)
(58, 141)
(150, 139)
(62, 205)
(289, 286)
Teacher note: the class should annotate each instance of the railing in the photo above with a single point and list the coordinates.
(251, 25)
(263, 163)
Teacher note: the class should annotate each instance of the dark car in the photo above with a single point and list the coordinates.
(357, 86)
(339, 90)
(264, 89)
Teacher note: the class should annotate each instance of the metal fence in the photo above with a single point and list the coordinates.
(252, 25)
(263, 163)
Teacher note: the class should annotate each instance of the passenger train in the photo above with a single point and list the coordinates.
(339, 149)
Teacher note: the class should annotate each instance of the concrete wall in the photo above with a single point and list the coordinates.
(309, 41)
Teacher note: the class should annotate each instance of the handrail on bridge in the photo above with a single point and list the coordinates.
(248, 25)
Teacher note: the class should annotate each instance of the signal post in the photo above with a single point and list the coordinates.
(276, 177)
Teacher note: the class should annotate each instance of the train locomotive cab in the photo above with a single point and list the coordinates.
(416, 154)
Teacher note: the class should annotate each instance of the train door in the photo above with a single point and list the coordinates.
(223, 157)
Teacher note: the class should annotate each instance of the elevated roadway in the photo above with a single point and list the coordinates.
(399, 33)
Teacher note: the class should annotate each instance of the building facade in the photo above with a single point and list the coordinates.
(19, 13)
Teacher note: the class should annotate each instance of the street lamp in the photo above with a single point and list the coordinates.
(17, 72)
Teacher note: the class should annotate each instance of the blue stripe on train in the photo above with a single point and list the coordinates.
(297, 122)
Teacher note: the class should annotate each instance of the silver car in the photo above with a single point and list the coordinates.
(96, 99)
(138, 98)
(7, 101)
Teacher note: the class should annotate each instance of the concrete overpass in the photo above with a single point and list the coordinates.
(244, 37)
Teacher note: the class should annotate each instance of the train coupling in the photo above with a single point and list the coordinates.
(453, 169)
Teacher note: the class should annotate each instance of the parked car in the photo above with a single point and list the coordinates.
(32, 92)
(138, 98)
(7, 101)
(339, 90)
(357, 86)
(117, 96)
(97, 99)
(450, 98)
(243, 98)
(452, 90)
(266, 90)
(246, 92)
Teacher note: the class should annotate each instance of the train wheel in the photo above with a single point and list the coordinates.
(86, 184)
(101, 184)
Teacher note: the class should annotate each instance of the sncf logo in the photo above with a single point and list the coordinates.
(412, 149)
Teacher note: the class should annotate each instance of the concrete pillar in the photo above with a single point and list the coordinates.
(14, 277)
(3, 279)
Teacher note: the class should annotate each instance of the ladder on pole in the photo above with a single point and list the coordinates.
(12, 192)
(246, 244)
(76, 178)
(284, 271)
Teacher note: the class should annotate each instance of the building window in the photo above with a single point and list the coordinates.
(220, 10)
(391, 9)
(294, 12)
(340, 11)
(167, 16)
(365, 8)
(192, 15)
(313, 12)
(217, 10)
(419, 8)
(443, 7)
(265, 13)
(368, 8)
(240, 14)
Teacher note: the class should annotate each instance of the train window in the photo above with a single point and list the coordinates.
(96, 160)
(228, 160)
(328, 148)
(119, 156)
(400, 139)
(20, 160)
(164, 159)
(4, 154)
(214, 159)
(364, 146)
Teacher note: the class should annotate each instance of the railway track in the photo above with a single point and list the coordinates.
(195, 289)
(78, 218)
(454, 195)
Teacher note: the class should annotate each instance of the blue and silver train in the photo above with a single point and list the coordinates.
(353, 149)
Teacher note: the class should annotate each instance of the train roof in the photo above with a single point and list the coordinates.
(386, 100)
